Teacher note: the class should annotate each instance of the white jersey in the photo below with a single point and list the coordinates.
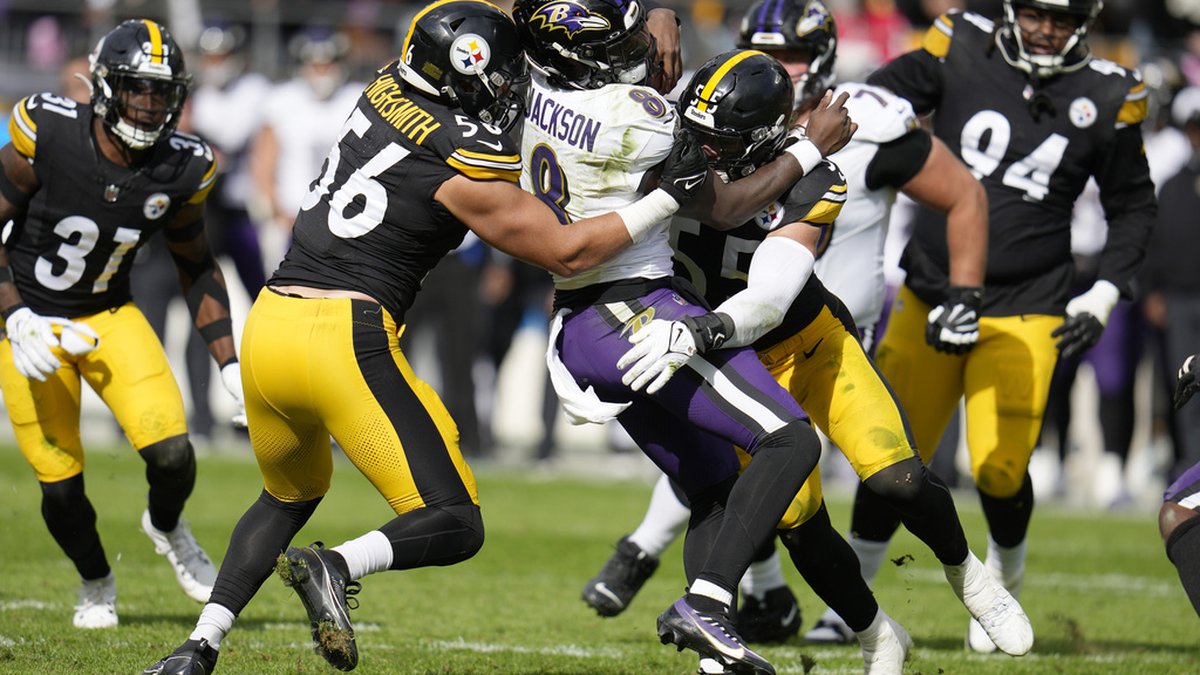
(852, 266)
(228, 117)
(305, 128)
(584, 153)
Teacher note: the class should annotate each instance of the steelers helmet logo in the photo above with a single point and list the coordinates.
(470, 54)
(156, 205)
(1082, 112)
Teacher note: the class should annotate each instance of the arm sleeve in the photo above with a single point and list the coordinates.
(1127, 194)
(898, 161)
(778, 272)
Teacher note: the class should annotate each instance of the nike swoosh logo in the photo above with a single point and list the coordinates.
(787, 618)
(495, 145)
(688, 184)
(808, 353)
(602, 588)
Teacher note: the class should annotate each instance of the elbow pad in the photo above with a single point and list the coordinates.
(778, 271)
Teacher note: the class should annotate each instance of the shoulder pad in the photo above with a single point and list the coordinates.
(482, 152)
(1135, 106)
(818, 197)
(881, 116)
(23, 124)
(652, 103)
(198, 153)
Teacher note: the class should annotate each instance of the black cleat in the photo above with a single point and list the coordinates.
(774, 618)
(611, 591)
(710, 635)
(194, 657)
(324, 590)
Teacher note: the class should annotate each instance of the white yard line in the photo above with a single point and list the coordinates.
(1117, 583)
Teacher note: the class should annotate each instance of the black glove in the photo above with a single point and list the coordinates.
(1078, 334)
(709, 331)
(953, 326)
(686, 168)
(1188, 384)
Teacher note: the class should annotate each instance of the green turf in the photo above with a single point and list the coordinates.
(1102, 597)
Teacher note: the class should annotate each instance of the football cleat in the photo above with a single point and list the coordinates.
(710, 635)
(97, 606)
(887, 652)
(999, 615)
(773, 618)
(193, 657)
(326, 593)
(830, 630)
(622, 576)
(193, 569)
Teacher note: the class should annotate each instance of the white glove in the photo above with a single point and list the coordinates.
(231, 377)
(659, 349)
(1098, 301)
(32, 337)
(75, 337)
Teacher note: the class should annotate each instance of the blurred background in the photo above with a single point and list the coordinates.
(275, 79)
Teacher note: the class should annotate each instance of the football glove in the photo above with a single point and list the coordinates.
(662, 347)
(686, 168)
(31, 337)
(953, 326)
(75, 337)
(1086, 316)
(231, 377)
(1188, 384)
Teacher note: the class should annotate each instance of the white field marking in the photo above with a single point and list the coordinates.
(9, 642)
(551, 650)
(1117, 583)
(27, 603)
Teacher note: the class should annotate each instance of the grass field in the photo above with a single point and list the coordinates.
(1102, 596)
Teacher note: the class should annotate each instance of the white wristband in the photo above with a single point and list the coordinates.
(641, 216)
(805, 152)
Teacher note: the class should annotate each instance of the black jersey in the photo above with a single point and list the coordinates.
(71, 250)
(717, 262)
(369, 222)
(1033, 144)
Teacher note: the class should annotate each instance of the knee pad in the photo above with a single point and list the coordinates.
(900, 482)
(172, 455)
(996, 480)
(471, 537)
(63, 497)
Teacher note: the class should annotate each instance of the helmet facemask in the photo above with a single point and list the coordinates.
(138, 109)
(1073, 55)
(496, 97)
(739, 154)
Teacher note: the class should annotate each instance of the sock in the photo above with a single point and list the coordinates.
(367, 554)
(666, 517)
(871, 633)
(705, 596)
(961, 575)
(870, 556)
(1183, 550)
(214, 624)
(763, 575)
(1007, 563)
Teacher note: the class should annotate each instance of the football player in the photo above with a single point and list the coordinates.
(423, 157)
(86, 186)
(1177, 519)
(592, 134)
(1026, 106)
(887, 153)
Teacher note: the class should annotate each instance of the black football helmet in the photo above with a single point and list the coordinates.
(466, 54)
(139, 82)
(1074, 54)
(738, 105)
(804, 26)
(586, 44)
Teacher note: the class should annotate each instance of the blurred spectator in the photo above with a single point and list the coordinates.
(225, 110)
(1173, 274)
(872, 34)
(301, 120)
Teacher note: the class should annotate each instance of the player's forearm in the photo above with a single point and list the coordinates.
(967, 237)
(208, 302)
(778, 272)
(737, 201)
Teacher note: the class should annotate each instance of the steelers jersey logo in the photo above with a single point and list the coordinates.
(770, 217)
(1082, 112)
(470, 54)
(156, 205)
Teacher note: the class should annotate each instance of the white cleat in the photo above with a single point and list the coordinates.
(887, 651)
(996, 612)
(97, 607)
(193, 569)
